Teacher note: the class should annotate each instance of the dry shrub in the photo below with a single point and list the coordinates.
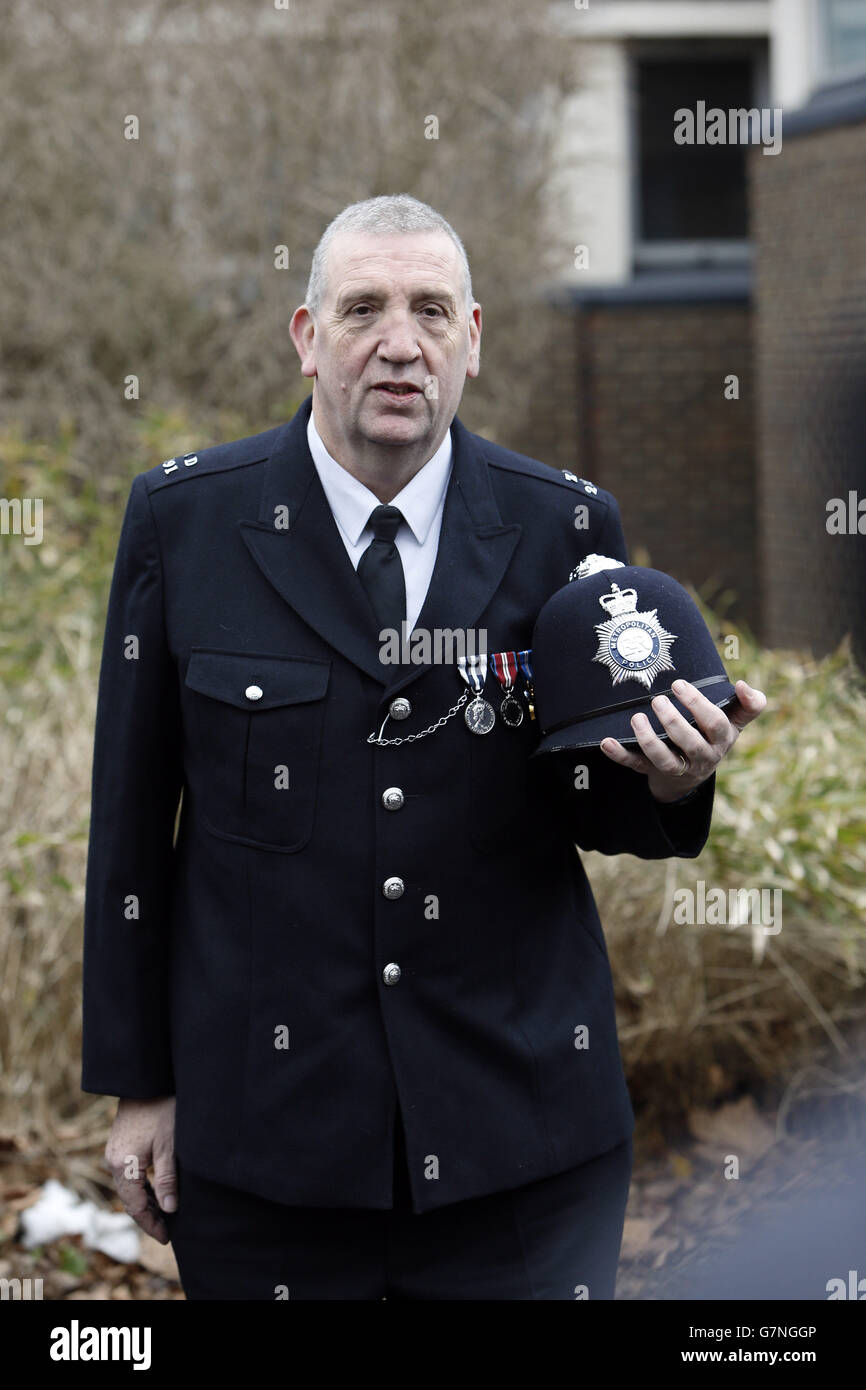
(156, 256)
(707, 1010)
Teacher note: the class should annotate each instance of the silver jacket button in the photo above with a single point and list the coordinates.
(399, 708)
(393, 887)
(392, 799)
(391, 973)
(254, 692)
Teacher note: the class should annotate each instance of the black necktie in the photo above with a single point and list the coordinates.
(380, 569)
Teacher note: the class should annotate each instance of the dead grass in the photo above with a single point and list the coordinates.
(711, 1010)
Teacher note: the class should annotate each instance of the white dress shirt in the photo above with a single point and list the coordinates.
(421, 501)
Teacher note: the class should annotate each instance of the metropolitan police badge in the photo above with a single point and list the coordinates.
(632, 645)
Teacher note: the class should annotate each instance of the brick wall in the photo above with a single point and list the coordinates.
(548, 431)
(644, 415)
(809, 224)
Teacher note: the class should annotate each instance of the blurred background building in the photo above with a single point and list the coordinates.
(698, 263)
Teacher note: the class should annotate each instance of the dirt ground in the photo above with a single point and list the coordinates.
(744, 1202)
(792, 1218)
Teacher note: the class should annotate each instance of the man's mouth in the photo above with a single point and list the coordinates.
(397, 390)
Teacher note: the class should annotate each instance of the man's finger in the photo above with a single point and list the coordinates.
(712, 722)
(614, 750)
(139, 1202)
(686, 738)
(658, 753)
(165, 1178)
(750, 703)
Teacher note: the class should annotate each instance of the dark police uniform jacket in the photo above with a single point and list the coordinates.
(235, 954)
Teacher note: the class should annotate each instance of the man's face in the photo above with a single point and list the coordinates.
(393, 316)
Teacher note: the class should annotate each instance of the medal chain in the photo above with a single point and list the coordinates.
(411, 738)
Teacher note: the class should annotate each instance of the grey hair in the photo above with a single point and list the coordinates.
(397, 212)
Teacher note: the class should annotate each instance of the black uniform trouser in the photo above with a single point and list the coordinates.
(557, 1238)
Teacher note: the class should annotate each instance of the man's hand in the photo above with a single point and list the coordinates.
(702, 747)
(143, 1134)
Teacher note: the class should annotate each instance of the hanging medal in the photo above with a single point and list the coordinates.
(479, 714)
(505, 669)
(524, 662)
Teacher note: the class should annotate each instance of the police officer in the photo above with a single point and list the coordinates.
(339, 991)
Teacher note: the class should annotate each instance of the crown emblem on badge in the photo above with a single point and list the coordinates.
(632, 645)
(619, 601)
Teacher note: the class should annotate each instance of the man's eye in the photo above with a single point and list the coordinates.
(432, 309)
(362, 309)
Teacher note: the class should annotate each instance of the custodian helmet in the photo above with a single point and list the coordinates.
(607, 643)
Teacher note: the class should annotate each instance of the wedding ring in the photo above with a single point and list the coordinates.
(684, 768)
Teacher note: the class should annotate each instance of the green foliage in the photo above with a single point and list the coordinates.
(791, 810)
(72, 1261)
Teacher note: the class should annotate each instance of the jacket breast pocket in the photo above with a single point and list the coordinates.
(256, 727)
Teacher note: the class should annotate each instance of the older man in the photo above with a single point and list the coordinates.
(338, 997)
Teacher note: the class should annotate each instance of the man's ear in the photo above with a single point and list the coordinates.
(473, 365)
(302, 332)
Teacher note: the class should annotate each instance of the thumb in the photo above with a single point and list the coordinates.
(750, 703)
(165, 1179)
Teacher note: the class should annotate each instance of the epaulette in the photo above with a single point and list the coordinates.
(512, 462)
(217, 458)
(560, 478)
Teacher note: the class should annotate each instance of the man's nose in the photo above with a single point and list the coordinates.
(399, 340)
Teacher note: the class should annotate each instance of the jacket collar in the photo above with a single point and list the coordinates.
(351, 502)
(295, 542)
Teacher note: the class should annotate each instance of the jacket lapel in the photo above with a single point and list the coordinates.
(307, 563)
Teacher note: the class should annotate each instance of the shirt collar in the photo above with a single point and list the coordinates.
(351, 502)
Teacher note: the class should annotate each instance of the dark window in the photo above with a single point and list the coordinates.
(690, 192)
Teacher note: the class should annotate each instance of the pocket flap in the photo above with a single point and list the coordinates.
(252, 682)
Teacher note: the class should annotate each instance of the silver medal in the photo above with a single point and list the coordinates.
(480, 716)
